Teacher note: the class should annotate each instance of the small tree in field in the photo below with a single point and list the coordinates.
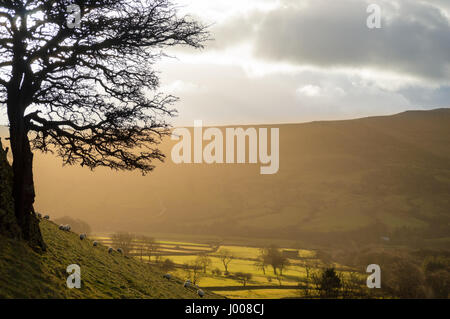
(86, 91)
(226, 257)
(244, 278)
(262, 261)
(194, 271)
(204, 261)
(308, 279)
(150, 245)
(283, 263)
(217, 272)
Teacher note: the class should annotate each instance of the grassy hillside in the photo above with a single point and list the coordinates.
(26, 274)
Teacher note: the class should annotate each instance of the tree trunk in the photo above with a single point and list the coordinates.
(23, 184)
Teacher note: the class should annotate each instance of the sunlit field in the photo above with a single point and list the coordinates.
(266, 284)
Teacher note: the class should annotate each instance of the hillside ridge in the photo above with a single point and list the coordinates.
(342, 179)
(27, 274)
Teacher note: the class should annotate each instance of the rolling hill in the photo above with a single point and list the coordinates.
(338, 179)
(27, 274)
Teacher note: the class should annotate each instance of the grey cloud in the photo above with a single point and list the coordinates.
(442, 4)
(414, 39)
(230, 96)
(418, 96)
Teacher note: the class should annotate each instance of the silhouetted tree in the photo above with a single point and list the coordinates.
(328, 283)
(84, 90)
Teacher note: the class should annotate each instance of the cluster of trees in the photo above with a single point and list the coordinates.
(329, 283)
(272, 257)
(419, 274)
(149, 246)
(437, 275)
(146, 246)
(405, 278)
(197, 268)
(406, 273)
(193, 271)
(124, 241)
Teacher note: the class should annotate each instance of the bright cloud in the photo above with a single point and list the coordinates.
(300, 60)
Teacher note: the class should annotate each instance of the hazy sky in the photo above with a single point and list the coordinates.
(300, 60)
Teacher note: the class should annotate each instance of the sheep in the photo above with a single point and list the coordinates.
(47, 217)
(110, 250)
(95, 244)
(119, 250)
(201, 293)
(187, 284)
(167, 276)
(82, 236)
(64, 227)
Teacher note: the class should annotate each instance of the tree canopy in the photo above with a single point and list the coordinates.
(87, 91)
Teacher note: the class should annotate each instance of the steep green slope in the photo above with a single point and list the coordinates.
(26, 274)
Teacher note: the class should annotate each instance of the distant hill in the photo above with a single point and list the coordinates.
(339, 179)
(26, 274)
